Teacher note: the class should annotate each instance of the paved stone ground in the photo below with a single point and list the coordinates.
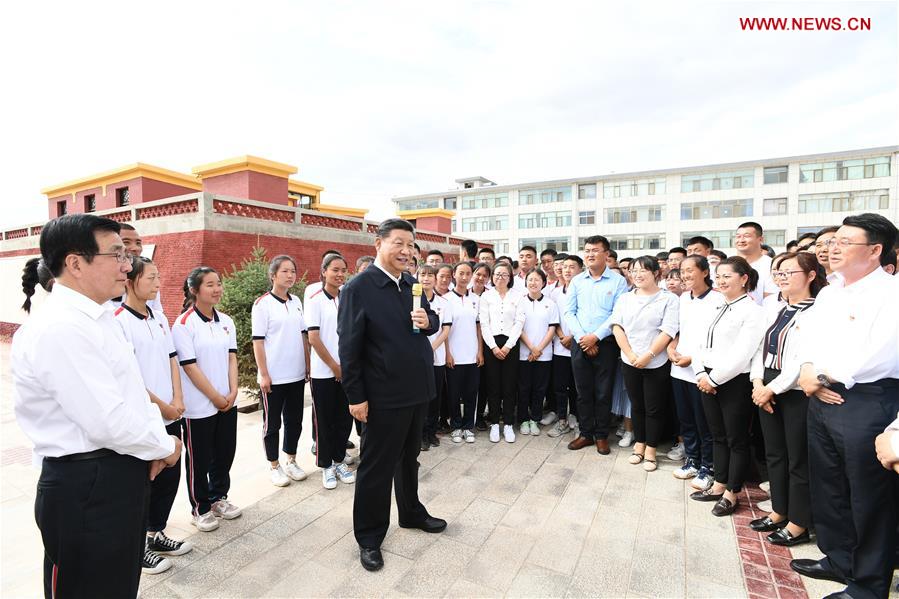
(529, 519)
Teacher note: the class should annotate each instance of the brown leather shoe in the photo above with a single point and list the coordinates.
(602, 447)
(580, 443)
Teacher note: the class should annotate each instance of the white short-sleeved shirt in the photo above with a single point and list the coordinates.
(643, 317)
(444, 312)
(695, 314)
(281, 323)
(539, 315)
(463, 335)
(311, 288)
(766, 284)
(560, 296)
(207, 343)
(321, 316)
(151, 339)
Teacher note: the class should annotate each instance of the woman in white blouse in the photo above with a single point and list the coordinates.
(541, 317)
(644, 321)
(722, 375)
(500, 328)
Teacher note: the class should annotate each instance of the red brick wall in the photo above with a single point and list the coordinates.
(235, 184)
(267, 188)
(152, 190)
(140, 189)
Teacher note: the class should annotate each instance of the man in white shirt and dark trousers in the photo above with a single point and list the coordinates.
(80, 398)
(850, 365)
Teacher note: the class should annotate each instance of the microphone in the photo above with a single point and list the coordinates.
(416, 302)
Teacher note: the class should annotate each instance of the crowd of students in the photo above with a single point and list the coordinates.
(716, 354)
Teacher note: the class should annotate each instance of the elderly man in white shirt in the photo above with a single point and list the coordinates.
(80, 398)
(850, 364)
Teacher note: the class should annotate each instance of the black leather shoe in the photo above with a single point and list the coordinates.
(724, 507)
(430, 524)
(371, 559)
(815, 569)
(785, 539)
(766, 524)
(481, 425)
(840, 595)
(433, 440)
(706, 495)
(350, 444)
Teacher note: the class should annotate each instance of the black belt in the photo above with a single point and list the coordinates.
(88, 455)
(876, 388)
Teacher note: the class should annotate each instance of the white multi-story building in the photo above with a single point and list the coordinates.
(650, 211)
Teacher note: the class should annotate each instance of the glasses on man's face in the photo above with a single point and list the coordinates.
(120, 257)
(843, 243)
(783, 274)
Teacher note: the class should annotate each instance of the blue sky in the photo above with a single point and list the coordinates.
(380, 99)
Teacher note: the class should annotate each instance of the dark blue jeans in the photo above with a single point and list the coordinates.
(693, 427)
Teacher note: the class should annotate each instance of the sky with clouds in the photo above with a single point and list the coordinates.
(380, 99)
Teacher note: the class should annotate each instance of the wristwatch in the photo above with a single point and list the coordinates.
(825, 382)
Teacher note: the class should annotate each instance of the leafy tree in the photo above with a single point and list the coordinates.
(242, 286)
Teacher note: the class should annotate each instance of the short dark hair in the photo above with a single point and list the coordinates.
(127, 227)
(791, 244)
(509, 267)
(487, 251)
(577, 259)
(364, 260)
(504, 258)
(702, 263)
(718, 253)
(598, 240)
(427, 269)
(435, 252)
(462, 263)
(416, 246)
(662, 256)
(548, 252)
(648, 262)
(741, 267)
(677, 250)
(753, 225)
(674, 272)
(481, 265)
(540, 273)
(73, 234)
(705, 241)
(328, 252)
(528, 248)
(471, 247)
(560, 257)
(392, 224)
(613, 254)
(808, 235)
(768, 250)
(878, 231)
(825, 231)
(625, 259)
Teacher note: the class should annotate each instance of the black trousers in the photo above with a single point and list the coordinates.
(462, 385)
(563, 386)
(482, 391)
(533, 381)
(648, 390)
(729, 415)
(163, 489)
(285, 401)
(332, 420)
(856, 499)
(502, 382)
(390, 446)
(92, 517)
(210, 444)
(594, 378)
(433, 412)
(786, 452)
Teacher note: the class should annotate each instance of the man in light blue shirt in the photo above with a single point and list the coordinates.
(594, 356)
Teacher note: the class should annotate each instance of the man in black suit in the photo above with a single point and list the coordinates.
(388, 377)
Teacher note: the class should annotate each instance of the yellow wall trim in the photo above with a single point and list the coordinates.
(303, 187)
(244, 163)
(425, 212)
(131, 171)
(342, 210)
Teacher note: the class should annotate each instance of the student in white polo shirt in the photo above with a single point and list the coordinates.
(563, 378)
(206, 342)
(281, 350)
(148, 333)
(440, 305)
(541, 317)
(464, 355)
(331, 411)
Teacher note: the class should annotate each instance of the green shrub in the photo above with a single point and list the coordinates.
(242, 285)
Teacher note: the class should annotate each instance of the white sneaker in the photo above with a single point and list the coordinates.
(349, 460)
(627, 439)
(293, 470)
(468, 436)
(225, 509)
(494, 433)
(535, 430)
(344, 474)
(688, 470)
(456, 436)
(561, 427)
(525, 428)
(206, 522)
(509, 433)
(279, 479)
(550, 418)
(704, 480)
(329, 477)
(677, 452)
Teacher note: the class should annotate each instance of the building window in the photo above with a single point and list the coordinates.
(648, 241)
(717, 181)
(542, 220)
(776, 174)
(90, 203)
(586, 191)
(638, 187)
(845, 201)
(454, 225)
(843, 170)
(122, 196)
(774, 207)
(586, 217)
(560, 244)
(485, 223)
(485, 200)
(800, 231)
(716, 209)
(500, 246)
(527, 197)
(449, 203)
(634, 214)
(61, 208)
(725, 239)
(299, 200)
(418, 204)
